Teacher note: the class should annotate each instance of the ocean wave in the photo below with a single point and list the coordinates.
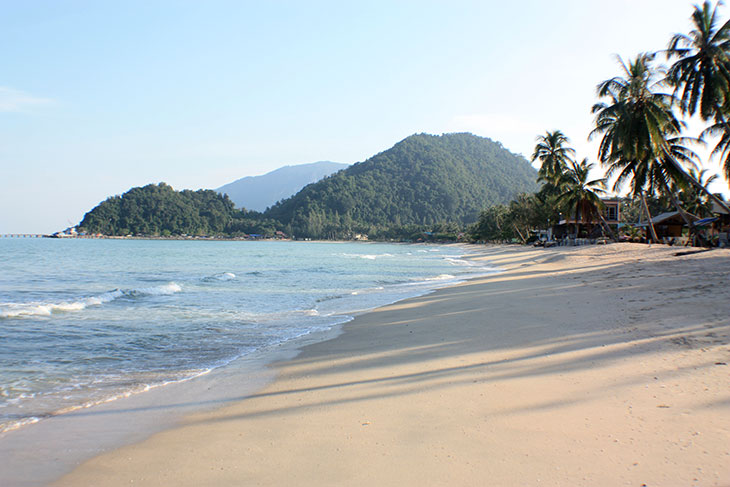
(16, 424)
(221, 276)
(367, 256)
(162, 290)
(35, 308)
(366, 291)
(440, 277)
(11, 423)
(455, 260)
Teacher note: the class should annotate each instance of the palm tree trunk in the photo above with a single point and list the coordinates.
(699, 186)
(685, 215)
(607, 227)
(524, 241)
(726, 169)
(653, 236)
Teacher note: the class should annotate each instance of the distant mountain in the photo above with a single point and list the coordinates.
(422, 180)
(260, 192)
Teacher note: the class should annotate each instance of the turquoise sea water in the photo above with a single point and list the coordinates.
(83, 322)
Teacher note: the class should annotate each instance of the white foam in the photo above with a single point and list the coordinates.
(223, 276)
(368, 256)
(458, 261)
(35, 308)
(162, 290)
(440, 277)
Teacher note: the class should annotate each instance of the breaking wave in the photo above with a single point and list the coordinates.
(221, 276)
(35, 308)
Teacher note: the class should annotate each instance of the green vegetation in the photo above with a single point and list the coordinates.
(425, 187)
(643, 141)
(422, 181)
(159, 210)
(430, 187)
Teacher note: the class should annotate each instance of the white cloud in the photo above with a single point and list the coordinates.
(12, 100)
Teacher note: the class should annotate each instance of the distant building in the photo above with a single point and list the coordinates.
(574, 224)
(666, 225)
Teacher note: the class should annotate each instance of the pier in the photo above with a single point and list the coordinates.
(22, 235)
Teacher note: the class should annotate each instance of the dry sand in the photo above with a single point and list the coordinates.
(592, 366)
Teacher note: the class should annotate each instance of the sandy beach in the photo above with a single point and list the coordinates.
(582, 366)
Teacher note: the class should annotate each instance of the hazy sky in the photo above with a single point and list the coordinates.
(100, 96)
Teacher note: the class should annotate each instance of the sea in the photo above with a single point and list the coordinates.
(86, 322)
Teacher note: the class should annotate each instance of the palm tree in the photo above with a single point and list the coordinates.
(636, 126)
(581, 196)
(702, 69)
(554, 154)
(642, 142)
(722, 148)
(695, 201)
(701, 73)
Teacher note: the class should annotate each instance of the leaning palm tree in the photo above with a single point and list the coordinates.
(582, 196)
(701, 74)
(554, 154)
(642, 142)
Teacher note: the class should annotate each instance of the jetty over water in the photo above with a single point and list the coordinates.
(22, 235)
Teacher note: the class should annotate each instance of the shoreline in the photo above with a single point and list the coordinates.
(576, 366)
(153, 410)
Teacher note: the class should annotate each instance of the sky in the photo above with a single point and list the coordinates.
(98, 97)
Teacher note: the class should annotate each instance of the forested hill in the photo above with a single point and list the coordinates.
(422, 180)
(160, 210)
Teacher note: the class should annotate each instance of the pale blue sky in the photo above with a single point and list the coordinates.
(100, 96)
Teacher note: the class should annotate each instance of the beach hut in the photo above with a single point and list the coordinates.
(668, 226)
(575, 225)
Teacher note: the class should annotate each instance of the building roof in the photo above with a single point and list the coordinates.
(662, 217)
(705, 221)
(718, 209)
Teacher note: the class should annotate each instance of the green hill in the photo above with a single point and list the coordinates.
(422, 180)
(160, 210)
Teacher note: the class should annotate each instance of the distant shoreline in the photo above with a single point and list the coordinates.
(16, 236)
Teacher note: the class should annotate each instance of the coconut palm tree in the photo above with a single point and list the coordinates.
(554, 154)
(636, 125)
(694, 201)
(701, 74)
(581, 196)
(721, 130)
(642, 142)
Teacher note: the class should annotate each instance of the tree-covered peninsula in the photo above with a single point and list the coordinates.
(159, 210)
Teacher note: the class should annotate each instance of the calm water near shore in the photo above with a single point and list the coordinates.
(84, 322)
